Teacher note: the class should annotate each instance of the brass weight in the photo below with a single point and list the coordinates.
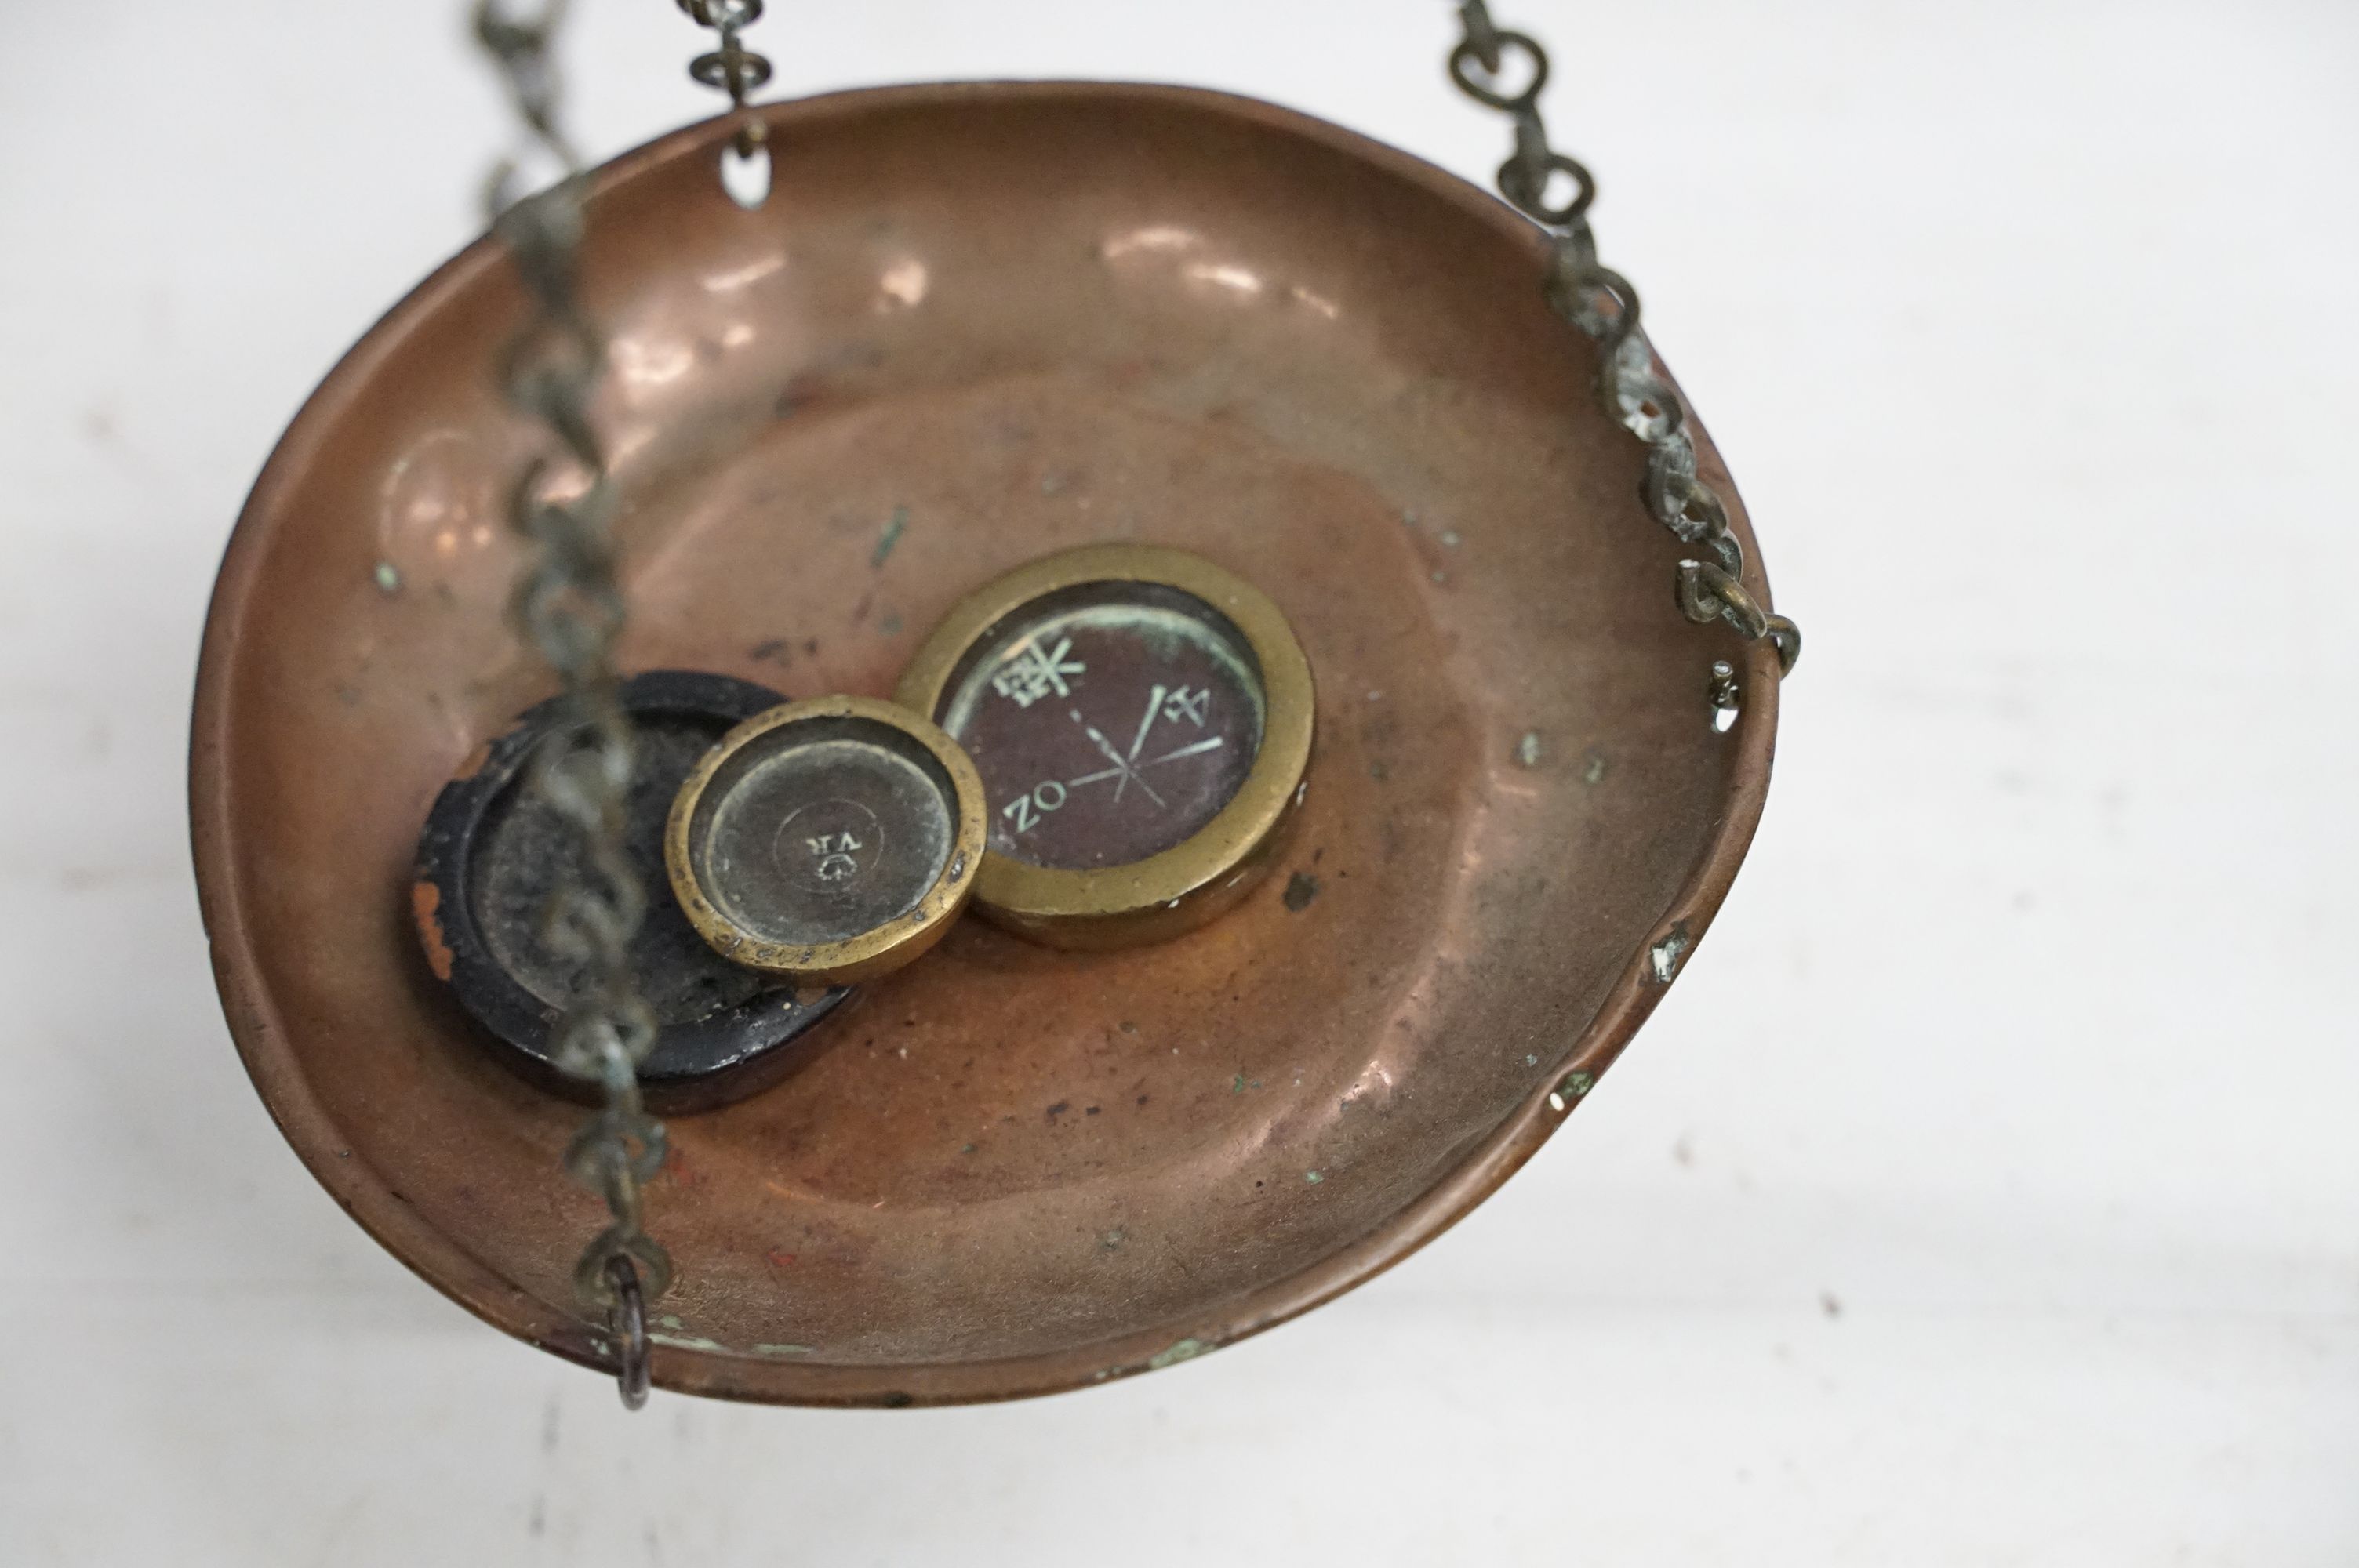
(1187, 680)
(827, 841)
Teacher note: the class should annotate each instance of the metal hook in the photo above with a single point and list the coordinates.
(629, 1320)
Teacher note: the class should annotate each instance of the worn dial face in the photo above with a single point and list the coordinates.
(820, 841)
(1109, 725)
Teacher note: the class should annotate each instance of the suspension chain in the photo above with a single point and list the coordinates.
(733, 67)
(568, 609)
(1601, 303)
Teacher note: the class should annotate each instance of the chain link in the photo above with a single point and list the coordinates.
(733, 67)
(568, 609)
(1603, 304)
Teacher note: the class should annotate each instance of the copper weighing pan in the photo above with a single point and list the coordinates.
(973, 325)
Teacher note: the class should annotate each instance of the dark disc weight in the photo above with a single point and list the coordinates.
(492, 854)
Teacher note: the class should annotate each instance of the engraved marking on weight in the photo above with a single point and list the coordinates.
(1214, 744)
(1190, 705)
(1154, 706)
(1027, 809)
(834, 853)
(1197, 749)
(844, 849)
(1032, 673)
(1125, 773)
(1194, 705)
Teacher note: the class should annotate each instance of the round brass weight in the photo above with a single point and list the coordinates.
(829, 842)
(1180, 887)
(973, 326)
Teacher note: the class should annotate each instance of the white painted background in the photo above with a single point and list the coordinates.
(1987, 1192)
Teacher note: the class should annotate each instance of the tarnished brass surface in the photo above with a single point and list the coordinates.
(972, 326)
(1179, 889)
(873, 942)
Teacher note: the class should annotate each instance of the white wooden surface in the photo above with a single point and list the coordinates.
(1987, 1192)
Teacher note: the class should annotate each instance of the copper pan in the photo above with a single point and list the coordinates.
(973, 325)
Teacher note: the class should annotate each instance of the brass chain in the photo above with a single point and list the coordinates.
(733, 67)
(1601, 303)
(568, 608)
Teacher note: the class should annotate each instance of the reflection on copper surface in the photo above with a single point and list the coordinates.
(638, 362)
(738, 277)
(1362, 1086)
(902, 285)
(1235, 276)
(432, 499)
(1156, 237)
(563, 483)
(1226, 274)
(1318, 302)
(478, 538)
(621, 449)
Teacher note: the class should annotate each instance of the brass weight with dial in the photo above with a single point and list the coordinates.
(1142, 721)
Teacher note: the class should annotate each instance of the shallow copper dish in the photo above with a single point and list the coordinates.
(973, 325)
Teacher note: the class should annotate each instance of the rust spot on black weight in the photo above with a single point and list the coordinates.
(425, 903)
(1300, 889)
